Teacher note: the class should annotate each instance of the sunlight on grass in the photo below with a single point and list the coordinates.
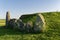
(2, 24)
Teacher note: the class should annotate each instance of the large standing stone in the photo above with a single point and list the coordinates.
(7, 18)
(39, 24)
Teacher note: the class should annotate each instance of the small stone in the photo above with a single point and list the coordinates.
(12, 24)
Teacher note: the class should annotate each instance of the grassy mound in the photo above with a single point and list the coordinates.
(30, 17)
(52, 32)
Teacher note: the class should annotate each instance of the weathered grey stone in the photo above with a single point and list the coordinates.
(28, 26)
(12, 24)
(36, 23)
(7, 18)
(39, 24)
(20, 25)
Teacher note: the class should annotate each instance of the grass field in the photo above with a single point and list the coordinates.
(2, 22)
(52, 30)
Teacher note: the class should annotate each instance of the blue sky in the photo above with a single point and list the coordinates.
(20, 7)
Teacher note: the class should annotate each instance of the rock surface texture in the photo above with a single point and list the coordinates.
(28, 23)
(7, 18)
(37, 21)
(12, 23)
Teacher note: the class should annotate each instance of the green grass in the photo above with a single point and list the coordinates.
(2, 22)
(29, 18)
(52, 31)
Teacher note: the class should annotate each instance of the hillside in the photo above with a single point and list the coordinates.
(52, 32)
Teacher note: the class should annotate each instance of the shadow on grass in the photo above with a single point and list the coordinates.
(4, 31)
